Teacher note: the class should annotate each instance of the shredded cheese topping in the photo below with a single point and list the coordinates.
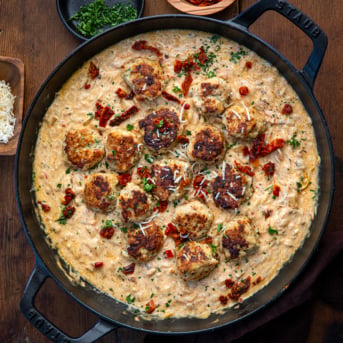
(7, 118)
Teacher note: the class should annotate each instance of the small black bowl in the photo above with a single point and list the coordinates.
(67, 8)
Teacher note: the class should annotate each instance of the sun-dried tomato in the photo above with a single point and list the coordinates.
(87, 85)
(248, 65)
(244, 169)
(239, 288)
(68, 211)
(122, 117)
(98, 264)
(276, 190)
(143, 172)
(269, 169)
(161, 207)
(186, 84)
(129, 269)
(182, 139)
(200, 185)
(202, 57)
(170, 97)
(69, 196)
(173, 232)
(229, 283)
(104, 113)
(93, 70)
(142, 45)
(45, 207)
(223, 299)
(124, 179)
(107, 231)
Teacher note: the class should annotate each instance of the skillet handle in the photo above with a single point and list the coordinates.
(298, 18)
(27, 307)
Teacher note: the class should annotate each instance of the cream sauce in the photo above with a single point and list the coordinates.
(78, 241)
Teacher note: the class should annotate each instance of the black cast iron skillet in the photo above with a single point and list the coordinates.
(110, 312)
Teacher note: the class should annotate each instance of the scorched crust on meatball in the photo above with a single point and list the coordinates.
(161, 127)
(133, 203)
(206, 144)
(169, 178)
(243, 122)
(122, 150)
(239, 238)
(194, 219)
(211, 97)
(231, 187)
(144, 242)
(145, 77)
(195, 260)
(83, 148)
(99, 193)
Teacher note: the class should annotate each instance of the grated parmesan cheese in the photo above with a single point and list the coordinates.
(7, 119)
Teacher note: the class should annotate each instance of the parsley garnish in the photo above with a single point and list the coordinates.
(293, 141)
(236, 56)
(272, 231)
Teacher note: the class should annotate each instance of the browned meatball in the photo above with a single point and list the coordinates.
(195, 260)
(243, 122)
(145, 77)
(169, 177)
(239, 238)
(123, 150)
(144, 242)
(161, 128)
(206, 144)
(231, 187)
(83, 148)
(100, 193)
(134, 204)
(211, 96)
(194, 219)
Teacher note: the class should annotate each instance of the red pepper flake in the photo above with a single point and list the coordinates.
(276, 190)
(161, 207)
(103, 113)
(45, 207)
(168, 254)
(107, 231)
(244, 169)
(129, 269)
(244, 90)
(122, 117)
(150, 307)
(248, 65)
(93, 70)
(223, 299)
(68, 211)
(142, 45)
(124, 95)
(69, 196)
(269, 169)
(124, 179)
(98, 264)
(287, 109)
(170, 97)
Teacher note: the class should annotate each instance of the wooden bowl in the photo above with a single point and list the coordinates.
(12, 72)
(187, 7)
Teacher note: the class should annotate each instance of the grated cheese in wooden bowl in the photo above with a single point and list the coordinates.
(7, 118)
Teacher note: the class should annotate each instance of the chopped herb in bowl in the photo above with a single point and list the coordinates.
(92, 18)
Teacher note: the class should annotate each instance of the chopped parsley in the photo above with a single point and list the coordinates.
(130, 299)
(236, 56)
(272, 231)
(129, 127)
(293, 141)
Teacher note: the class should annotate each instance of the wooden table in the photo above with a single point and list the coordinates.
(32, 31)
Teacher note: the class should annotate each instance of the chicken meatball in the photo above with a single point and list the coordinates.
(99, 193)
(123, 150)
(145, 77)
(195, 260)
(239, 238)
(243, 122)
(161, 128)
(144, 242)
(211, 96)
(83, 148)
(134, 204)
(169, 178)
(193, 219)
(231, 187)
(206, 144)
